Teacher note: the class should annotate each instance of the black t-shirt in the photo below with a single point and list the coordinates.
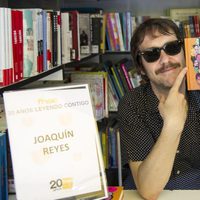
(140, 125)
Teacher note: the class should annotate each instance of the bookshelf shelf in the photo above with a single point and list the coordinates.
(26, 81)
(117, 52)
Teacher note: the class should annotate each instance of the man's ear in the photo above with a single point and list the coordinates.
(141, 68)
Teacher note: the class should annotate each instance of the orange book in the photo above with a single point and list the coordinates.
(115, 193)
(192, 54)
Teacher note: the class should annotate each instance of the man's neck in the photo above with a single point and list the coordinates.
(164, 91)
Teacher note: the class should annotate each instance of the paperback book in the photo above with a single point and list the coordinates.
(115, 193)
(192, 54)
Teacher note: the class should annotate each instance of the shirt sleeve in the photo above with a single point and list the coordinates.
(135, 136)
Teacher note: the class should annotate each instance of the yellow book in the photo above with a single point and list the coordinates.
(103, 35)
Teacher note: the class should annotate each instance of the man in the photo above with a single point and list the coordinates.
(160, 120)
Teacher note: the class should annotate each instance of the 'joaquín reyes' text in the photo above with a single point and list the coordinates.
(52, 137)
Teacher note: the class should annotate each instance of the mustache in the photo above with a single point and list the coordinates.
(166, 66)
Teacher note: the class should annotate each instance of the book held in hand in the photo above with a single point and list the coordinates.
(115, 193)
(54, 144)
(192, 55)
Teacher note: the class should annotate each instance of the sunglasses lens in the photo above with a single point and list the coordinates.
(151, 55)
(173, 48)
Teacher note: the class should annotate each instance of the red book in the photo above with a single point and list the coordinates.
(125, 71)
(15, 46)
(10, 75)
(74, 27)
(196, 25)
(5, 76)
(19, 26)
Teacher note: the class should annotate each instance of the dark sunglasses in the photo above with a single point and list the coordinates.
(153, 54)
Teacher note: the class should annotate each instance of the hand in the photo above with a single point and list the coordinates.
(173, 109)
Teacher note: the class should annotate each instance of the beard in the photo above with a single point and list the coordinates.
(166, 81)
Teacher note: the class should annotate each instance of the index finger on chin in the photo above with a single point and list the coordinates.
(179, 79)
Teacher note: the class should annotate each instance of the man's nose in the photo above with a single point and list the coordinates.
(164, 58)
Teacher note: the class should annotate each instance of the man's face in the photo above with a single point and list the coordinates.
(163, 72)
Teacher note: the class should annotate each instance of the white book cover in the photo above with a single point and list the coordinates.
(66, 38)
(49, 40)
(35, 18)
(6, 39)
(3, 43)
(10, 55)
(28, 56)
(54, 143)
(84, 34)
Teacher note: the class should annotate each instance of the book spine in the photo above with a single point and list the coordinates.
(3, 167)
(129, 29)
(40, 40)
(28, 58)
(115, 31)
(103, 34)
(74, 27)
(49, 40)
(191, 26)
(66, 37)
(84, 29)
(123, 79)
(111, 34)
(44, 32)
(121, 92)
(119, 31)
(54, 37)
(20, 44)
(59, 38)
(15, 46)
(126, 76)
(10, 53)
(111, 80)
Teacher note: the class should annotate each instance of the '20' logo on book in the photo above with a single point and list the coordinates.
(59, 184)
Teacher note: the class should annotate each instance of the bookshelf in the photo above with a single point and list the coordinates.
(137, 7)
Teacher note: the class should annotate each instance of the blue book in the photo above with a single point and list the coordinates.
(113, 144)
(107, 65)
(3, 168)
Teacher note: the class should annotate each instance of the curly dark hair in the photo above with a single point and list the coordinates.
(162, 25)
